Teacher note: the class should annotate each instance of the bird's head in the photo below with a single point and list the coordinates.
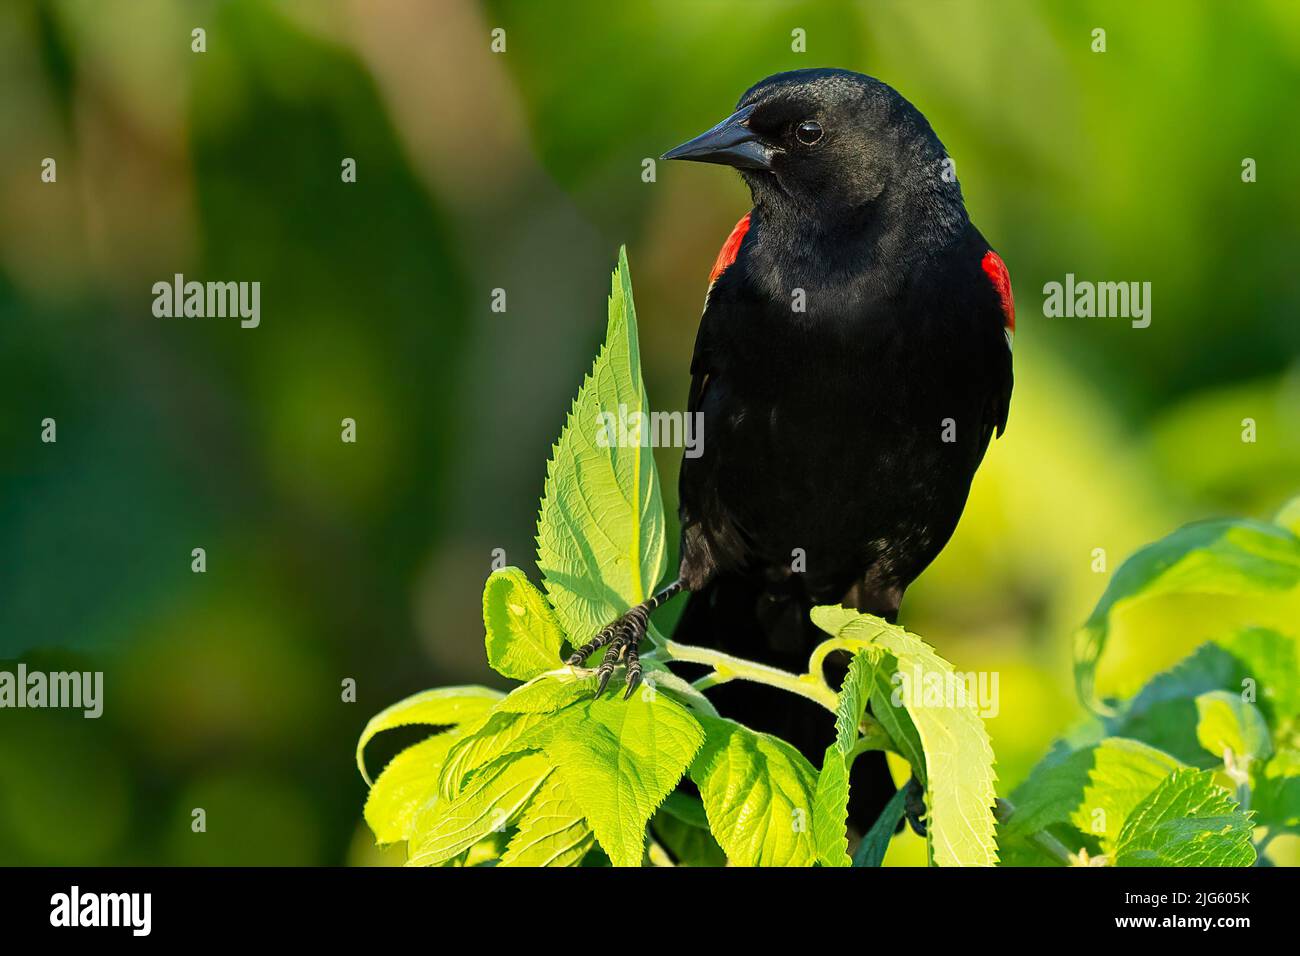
(826, 143)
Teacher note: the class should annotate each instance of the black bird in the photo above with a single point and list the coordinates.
(852, 363)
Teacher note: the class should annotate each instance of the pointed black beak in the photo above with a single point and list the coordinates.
(731, 143)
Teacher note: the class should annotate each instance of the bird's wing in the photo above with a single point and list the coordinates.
(702, 362)
(696, 484)
(996, 271)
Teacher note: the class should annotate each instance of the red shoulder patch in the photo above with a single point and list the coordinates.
(996, 270)
(730, 249)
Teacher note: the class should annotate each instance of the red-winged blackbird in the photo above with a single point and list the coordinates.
(852, 363)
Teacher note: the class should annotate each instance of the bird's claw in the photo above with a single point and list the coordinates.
(914, 807)
(621, 640)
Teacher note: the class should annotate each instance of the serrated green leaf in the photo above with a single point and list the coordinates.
(833, 618)
(1270, 663)
(682, 826)
(548, 693)
(1276, 800)
(486, 852)
(497, 734)
(405, 786)
(1225, 723)
(447, 706)
(1124, 773)
(552, 830)
(758, 793)
(1163, 714)
(1233, 557)
(490, 803)
(1017, 850)
(659, 678)
(831, 800)
(689, 845)
(620, 759)
(852, 705)
(830, 810)
(686, 808)
(895, 720)
(1094, 789)
(523, 635)
(875, 843)
(600, 535)
(1186, 821)
(958, 757)
(958, 777)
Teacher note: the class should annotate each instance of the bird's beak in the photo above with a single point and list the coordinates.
(731, 143)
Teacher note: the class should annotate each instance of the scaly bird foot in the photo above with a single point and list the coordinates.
(622, 641)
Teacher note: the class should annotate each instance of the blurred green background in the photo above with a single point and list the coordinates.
(522, 171)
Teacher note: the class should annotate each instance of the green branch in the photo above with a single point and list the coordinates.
(727, 668)
(811, 685)
(1049, 844)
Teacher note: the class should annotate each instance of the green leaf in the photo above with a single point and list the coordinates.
(853, 699)
(405, 786)
(600, 534)
(1186, 821)
(1227, 723)
(1017, 850)
(1093, 789)
(552, 830)
(896, 721)
(758, 793)
(833, 618)
(1164, 714)
(548, 693)
(1232, 557)
(523, 635)
(659, 678)
(490, 803)
(620, 759)
(1276, 799)
(447, 706)
(682, 826)
(686, 808)
(830, 810)
(830, 804)
(1288, 516)
(1269, 664)
(496, 735)
(958, 758)
(486, 852)
(871, 851)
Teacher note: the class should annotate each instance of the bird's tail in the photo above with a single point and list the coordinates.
(747, 618)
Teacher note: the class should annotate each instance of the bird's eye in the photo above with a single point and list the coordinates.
(808, 132)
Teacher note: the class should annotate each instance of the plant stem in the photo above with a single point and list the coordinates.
(1239, 773)
(727, 668)
(874, 739)
(1049, 844)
